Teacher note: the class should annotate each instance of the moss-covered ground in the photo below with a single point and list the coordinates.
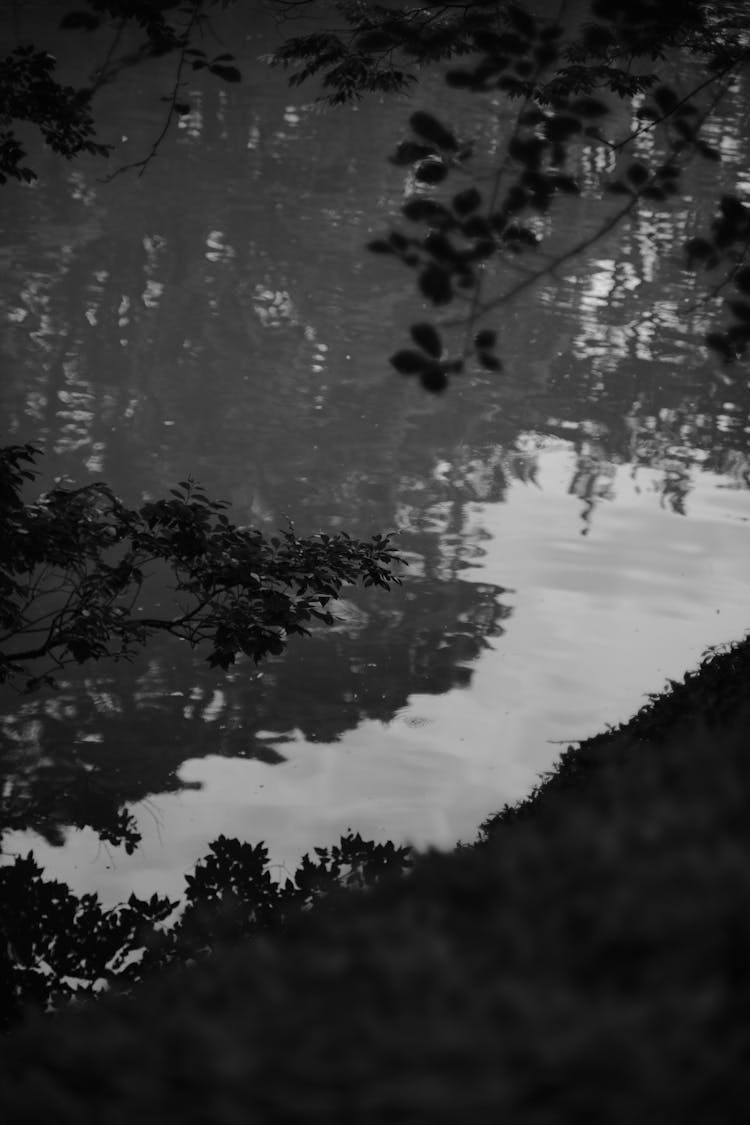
(586, 960)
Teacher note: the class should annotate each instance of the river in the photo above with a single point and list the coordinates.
(577, 525)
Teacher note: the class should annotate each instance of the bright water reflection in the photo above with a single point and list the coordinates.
(577, 527)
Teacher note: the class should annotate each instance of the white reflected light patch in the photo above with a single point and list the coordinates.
(598, 623)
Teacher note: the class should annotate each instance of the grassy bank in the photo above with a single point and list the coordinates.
(588, 959)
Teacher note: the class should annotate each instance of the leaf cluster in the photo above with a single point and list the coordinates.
(650, 29)
(58, 947)
(728, 244)
(489, 984)
(29, 92)
(76, 560)
(381, 48)
(565, 88)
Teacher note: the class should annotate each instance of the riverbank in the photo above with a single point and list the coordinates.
(588, 958)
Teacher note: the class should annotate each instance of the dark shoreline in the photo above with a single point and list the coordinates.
(588, 959)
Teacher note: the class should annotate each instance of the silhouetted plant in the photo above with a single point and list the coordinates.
(76, 560)
(561, 82)
(56, 947)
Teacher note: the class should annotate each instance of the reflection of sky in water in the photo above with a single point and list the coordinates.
(238, 332)
(598, 622)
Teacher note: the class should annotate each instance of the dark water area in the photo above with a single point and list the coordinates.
(576, 526)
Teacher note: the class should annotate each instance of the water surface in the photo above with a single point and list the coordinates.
(577, 526)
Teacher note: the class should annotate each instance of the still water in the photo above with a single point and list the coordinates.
(577, 526)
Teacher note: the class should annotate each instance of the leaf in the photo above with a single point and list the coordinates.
(434, 379)
(684, 129)
(431, 171)
(526, 236)
(427, 336)
(409, 152)
(739, 334)
(742, 279)
(666, 98)
(485, 339)
(739, 309)
(182, 108)
(408, 362)
(466, 201)
(228, 73)
(380, 246)
(430, 129)
(224, 58)
(638, 173)
(733, 210)
(707, 151)
(425, 210)
(440, 246)
(718, 342)
(435, 284)
(489, 361)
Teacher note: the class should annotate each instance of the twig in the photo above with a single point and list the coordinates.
(171, 111)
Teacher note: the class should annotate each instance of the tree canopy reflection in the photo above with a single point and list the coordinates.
(100, 743)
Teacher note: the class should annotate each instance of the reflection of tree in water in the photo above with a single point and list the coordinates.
(77, 757)
(735, 464)
(663, 453)
(593, 480)
(215, 351)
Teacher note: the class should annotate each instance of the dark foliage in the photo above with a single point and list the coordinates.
(564, 83)
(56, 947)
(586, 960)
(30, 94)
(76, 560)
